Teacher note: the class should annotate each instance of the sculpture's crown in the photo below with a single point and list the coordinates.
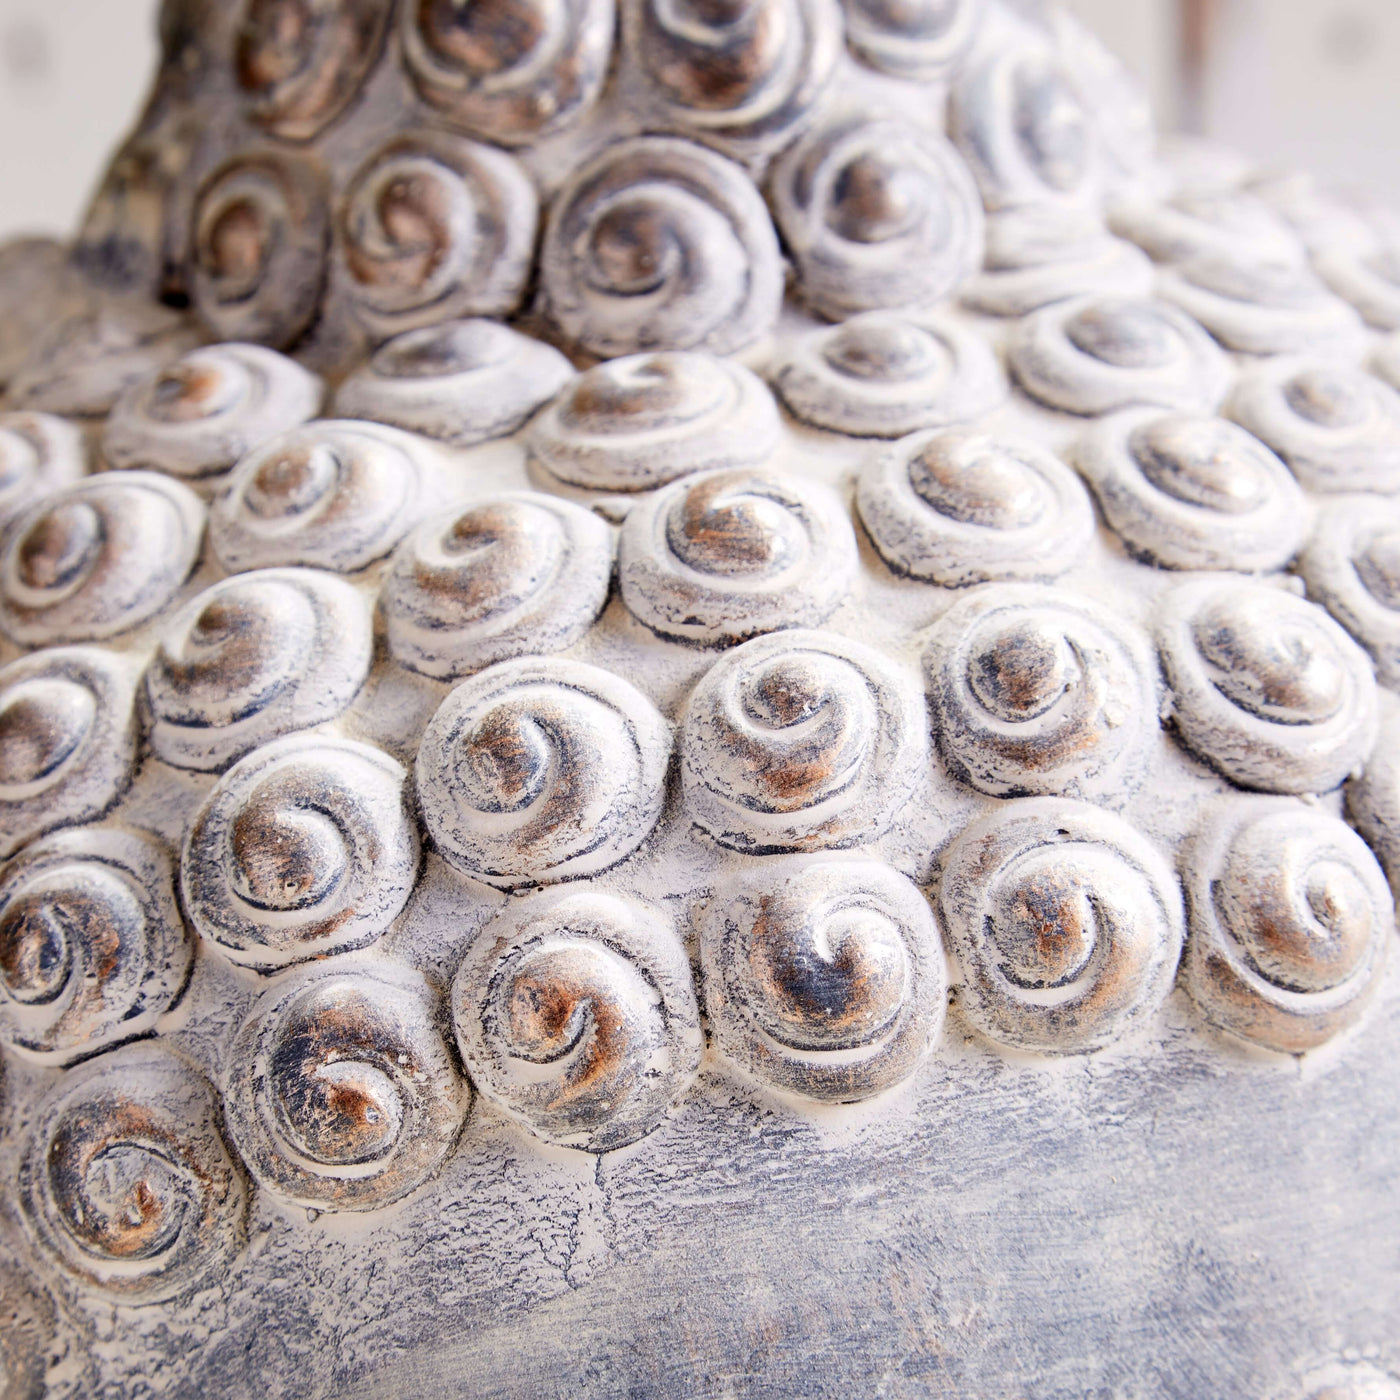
(319, 176)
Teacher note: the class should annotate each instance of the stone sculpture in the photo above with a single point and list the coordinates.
(695, 700)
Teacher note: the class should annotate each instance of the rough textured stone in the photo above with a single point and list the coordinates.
(665, 849)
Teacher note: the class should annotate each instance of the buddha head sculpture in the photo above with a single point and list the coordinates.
(695, 698)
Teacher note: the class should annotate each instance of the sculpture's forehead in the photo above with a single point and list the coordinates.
(695, 699)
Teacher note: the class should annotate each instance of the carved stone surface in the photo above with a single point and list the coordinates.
(82, 364)
(744, 78)
(298, 72)
(1265, 686)
(342, 1094)
(1291, 923)
(67, 739)
(92, 949)
(196, 417)
(304, 848)
(576, 1014)
(883, 375)
(1337, 427)
(1036, 691)
(876, 214)
(510, 76)
(1065, 923)
(960, 507)
(433, 226)
(721, 556)
(27, 1335)
(125, 1182)
(97, 558)
(39, 453)
(251, 658)
(659, 243)
(641, 421)
(1193, 492)
(1095, 355)
(1352, 567)
(695, 700)
(335, 495)
(540, 770)
(1373, 801)
(823, 978)
(798, 742)
(1263, 308)
(260, 247)
(503, 576)
(461, 381)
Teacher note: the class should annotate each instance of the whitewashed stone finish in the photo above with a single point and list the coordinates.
(960, 507)
(1352, 1381)
(1186, 491)
(512, 76)
(126, 1186)
(1352, 567)
(876, 213)
(641, 421)
(801, 741)
(1367, 276)
(85, 363)
(28, 1334)
(261, 250)
(1066, 925)
(800, 322)
(1318, 213)
(1036, 691)
(460, 381)
(1386, 360)
(97, 559)
(575, 1014)
(504, 576)
(1373, 801)
(1265, 687)
(924, 41)
(1228, 225)
(722, 75)
(36, 273)
(659, 243)
(67, 740)
(1115, 99)
(196, 417)
(540, 770)
(251, 658)
(341, 1092)
(1264, 308)
(1290, 922)
(39, 453)
(1029, 266)
(1337, 427)
(92, 947)
(332, 495)
(1025, 133)
(1095, 355)
(721, 556)
(306, 848)
(884, 375)
(432, 227)
(297, 79)
(823, 976)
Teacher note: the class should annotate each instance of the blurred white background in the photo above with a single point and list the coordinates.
(1309, 83)
(1304, 82)
(72, 77)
